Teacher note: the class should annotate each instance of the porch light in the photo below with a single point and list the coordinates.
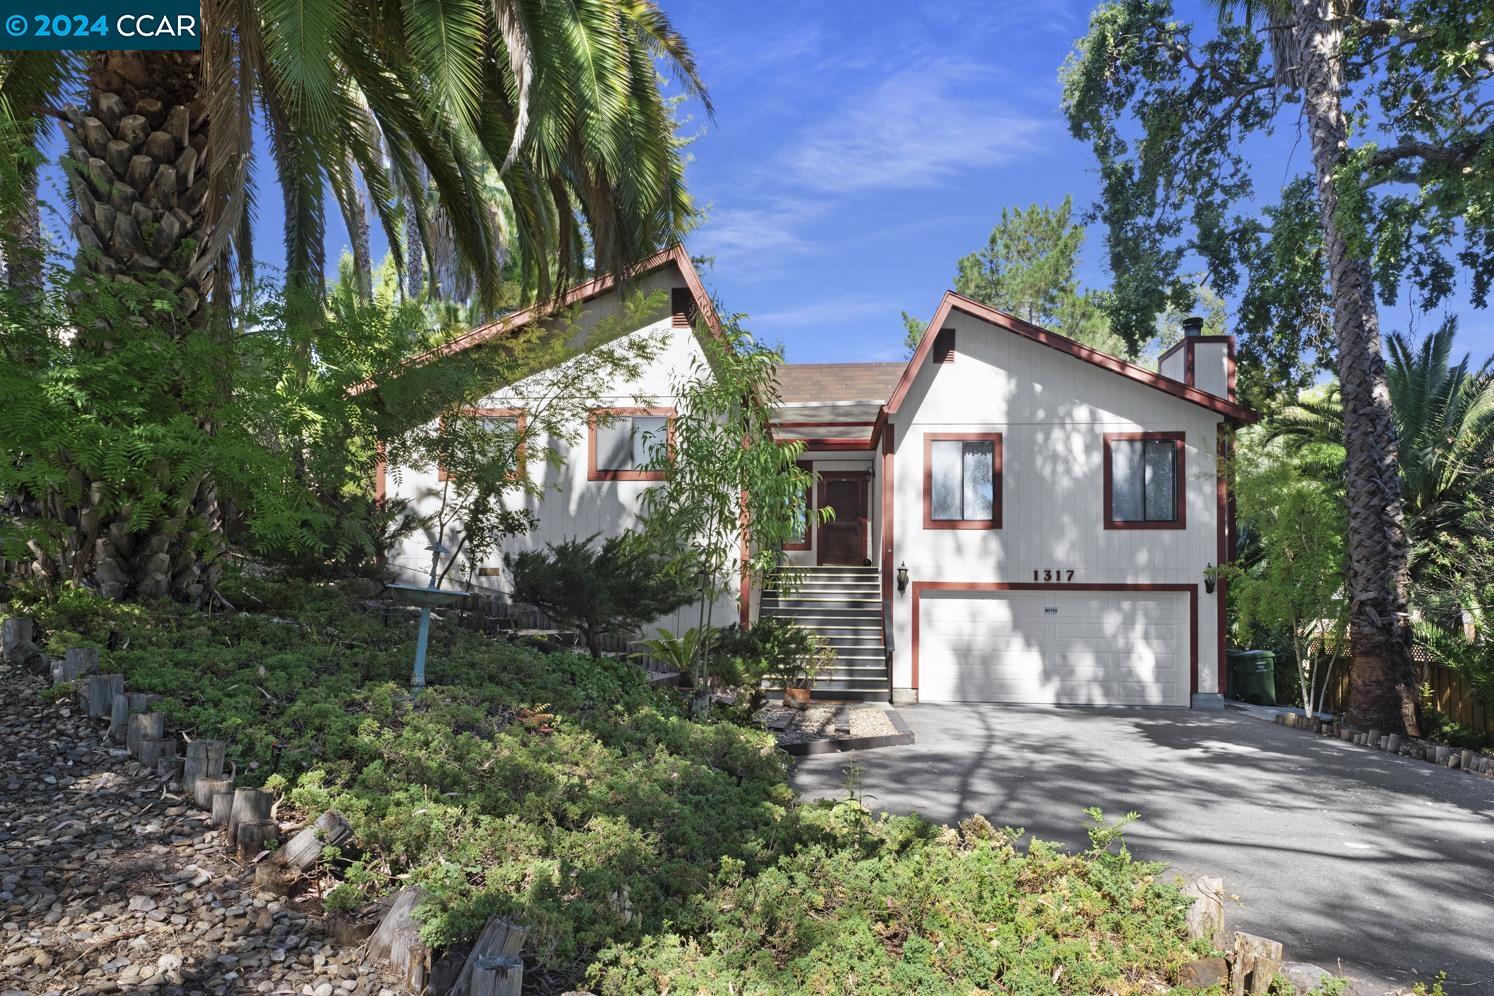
(902, 577)
(1209, 578)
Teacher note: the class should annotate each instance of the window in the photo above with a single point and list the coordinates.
(944, 346)
(1143, 480)
(962, 480)
(800, 540)
(621, 442)
(511, 422)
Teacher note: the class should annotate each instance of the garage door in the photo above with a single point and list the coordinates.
(1054, 647)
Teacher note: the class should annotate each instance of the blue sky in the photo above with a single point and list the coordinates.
(860, 148)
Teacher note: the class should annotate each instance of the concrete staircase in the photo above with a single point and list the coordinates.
(843, 605)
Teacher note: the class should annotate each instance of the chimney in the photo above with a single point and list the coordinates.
(1206, 362)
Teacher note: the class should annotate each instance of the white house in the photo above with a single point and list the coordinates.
(1018, 517)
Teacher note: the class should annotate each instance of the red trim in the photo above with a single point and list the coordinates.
(381, 473)
(808, 543)
(1002, 320)
(744, 589)
(593, 474)
(861, 477)
(521, 466)
(1223, 554)
(1180, 481)
(929, 522)
(582, 292)
(888, 535)
(919, 587)
(833, 444)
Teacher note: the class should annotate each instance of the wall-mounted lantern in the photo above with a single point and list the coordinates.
(902, 577)
(1209, 578)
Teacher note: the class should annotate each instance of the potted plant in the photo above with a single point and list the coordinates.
(798, 657)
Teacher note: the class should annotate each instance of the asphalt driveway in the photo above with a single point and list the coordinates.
(1379, 867)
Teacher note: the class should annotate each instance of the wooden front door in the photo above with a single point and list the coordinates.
(843, 539)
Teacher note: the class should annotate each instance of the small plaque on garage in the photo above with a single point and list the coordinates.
(1050, 610)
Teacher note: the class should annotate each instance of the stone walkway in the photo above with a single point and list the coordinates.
(110, 883)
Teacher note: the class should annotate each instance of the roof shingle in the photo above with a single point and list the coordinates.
(801, 382)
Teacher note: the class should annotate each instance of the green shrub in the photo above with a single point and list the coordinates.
(563, 791)
(616, 586)
(898, 905)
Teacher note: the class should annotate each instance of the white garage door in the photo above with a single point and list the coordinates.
(1055, 647)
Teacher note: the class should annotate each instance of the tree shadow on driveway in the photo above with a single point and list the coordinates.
(1346, 855)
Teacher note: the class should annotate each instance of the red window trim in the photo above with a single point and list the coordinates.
(808, 542)
(594, 474)
(1180, 491)
(521, 467)
(997, 503)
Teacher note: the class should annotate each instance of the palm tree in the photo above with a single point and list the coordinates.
(409, 101)
(1308, 53)
(1444, 419)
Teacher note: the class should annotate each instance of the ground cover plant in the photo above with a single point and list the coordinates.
(636, 844)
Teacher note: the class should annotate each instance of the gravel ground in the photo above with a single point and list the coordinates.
(110, 883)
(798, 726)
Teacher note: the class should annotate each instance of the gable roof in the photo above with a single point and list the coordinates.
(1010, 323)
(809, 382)
(578, 294)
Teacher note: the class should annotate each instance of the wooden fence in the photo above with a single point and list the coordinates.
(1451, 693)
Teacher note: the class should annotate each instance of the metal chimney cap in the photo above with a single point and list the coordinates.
(1193, 325)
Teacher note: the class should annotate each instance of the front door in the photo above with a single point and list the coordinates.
(843, 538)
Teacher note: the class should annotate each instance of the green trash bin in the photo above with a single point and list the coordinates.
(1252, 676)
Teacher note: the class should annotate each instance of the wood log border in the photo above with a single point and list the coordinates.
(1442, 755)
(492, 966)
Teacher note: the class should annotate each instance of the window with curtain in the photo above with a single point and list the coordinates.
(963, 481)
(1144, 477)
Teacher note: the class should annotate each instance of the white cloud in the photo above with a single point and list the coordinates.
(918, 127)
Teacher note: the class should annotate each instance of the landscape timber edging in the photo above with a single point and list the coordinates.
(902, 737)
(1443, 756)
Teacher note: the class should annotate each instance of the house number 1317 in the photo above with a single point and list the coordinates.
(1052, 574)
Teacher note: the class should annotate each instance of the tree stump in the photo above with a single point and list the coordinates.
(123, 707)
(1206, 915)
(222, 806)
(98, 694)
(304, 850)
(144, 726)
(1263, 973)
(206, 789)
(252, 836)
(1393, 743)
(250, 805)
(169, 767)
(204, 760)
(76, 663)
(153, 751)
(395, 945)
(493, 966)
(15, 635)
(1253, 954)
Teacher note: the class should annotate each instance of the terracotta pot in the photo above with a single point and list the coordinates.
(798, 698)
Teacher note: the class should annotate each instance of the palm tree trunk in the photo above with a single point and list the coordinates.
(23, 244)
(139, 193)
(1382, 691)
